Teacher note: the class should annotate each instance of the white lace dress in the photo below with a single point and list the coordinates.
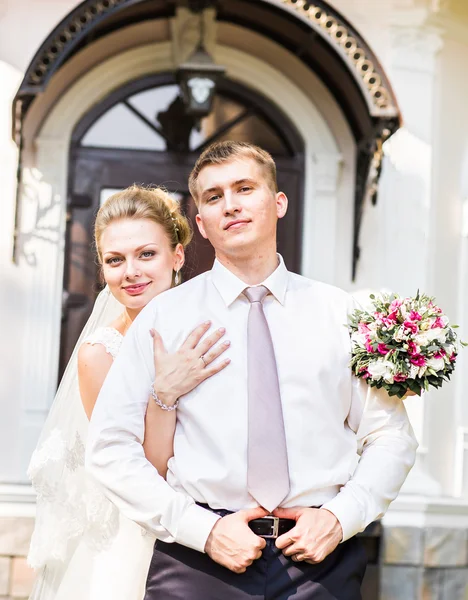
(119, 571)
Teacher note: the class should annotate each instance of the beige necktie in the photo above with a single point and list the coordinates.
(267, 474)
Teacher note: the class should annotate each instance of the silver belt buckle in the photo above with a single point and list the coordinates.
(274, 525)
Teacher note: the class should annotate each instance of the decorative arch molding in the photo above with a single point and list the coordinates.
(361, 61)
(95, 18)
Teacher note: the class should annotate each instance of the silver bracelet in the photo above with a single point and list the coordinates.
(161, 404)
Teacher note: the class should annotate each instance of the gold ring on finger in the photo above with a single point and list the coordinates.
(203, 359)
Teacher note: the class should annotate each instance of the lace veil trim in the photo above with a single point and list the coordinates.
(109, 337)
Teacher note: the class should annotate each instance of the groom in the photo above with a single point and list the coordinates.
(282, 457)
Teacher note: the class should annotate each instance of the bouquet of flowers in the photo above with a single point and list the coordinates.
(402, 344)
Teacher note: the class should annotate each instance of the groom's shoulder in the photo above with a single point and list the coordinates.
(318, 289)
(170, 306)
(184, 292)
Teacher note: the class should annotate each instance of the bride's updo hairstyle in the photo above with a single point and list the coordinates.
(137, 202)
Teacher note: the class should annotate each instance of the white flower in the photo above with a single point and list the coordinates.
(359, 339)
(422, 371)
(423, 339)
(380, 368)
(449, 349)
(414, 371)
(399, 335)
(439, 334)
(438, 364)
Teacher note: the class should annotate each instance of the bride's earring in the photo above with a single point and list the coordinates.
(176, 278)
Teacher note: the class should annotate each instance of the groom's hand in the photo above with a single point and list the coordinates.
(316, 534)
(232, 543)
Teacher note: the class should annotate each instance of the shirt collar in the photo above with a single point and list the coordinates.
(231, 287)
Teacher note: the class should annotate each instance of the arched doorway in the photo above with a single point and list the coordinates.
(140, 133)
(312, 64)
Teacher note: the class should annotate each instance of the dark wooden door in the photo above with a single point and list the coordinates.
(106, 155)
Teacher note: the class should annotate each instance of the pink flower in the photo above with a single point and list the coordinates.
(412, 348)
(395, 305)
(435, 308)
(440, 354)
(368, 345)
(363, 328)
(453, 357)
(382, 348)
(411, 326)
(418, 360)
(437, 323)
(414, 316)
(400, 377)
(392, 317)
(364, 373)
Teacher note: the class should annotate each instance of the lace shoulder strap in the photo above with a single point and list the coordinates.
(109, 337)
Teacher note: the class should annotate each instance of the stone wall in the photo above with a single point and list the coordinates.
(424, 564)
(16, 577)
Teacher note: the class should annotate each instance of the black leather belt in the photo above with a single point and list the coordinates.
(271, 527)
(267, 527)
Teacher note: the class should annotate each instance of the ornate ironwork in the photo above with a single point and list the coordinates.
(71, 28)
(364, 65)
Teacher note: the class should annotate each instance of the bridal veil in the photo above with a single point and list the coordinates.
(70, 506)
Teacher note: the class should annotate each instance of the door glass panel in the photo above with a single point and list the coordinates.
(120, 128)
(257, 131)
(151, 102)
(160, 108)
(224, 110)
(106, 193)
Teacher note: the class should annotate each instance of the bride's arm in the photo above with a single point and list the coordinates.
(176, 375)
(93, 365)
(159, 436)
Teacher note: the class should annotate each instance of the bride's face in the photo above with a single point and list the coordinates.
(138, 261)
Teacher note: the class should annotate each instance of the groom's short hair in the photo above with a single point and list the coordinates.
(222, 152)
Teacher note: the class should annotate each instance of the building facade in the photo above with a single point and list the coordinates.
(362, 104)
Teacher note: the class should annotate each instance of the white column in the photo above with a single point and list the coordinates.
(407, 196)
(42, 252)
(14, 284)
(447, 242)
(321, 217)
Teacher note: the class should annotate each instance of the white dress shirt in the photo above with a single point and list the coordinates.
(333, 421)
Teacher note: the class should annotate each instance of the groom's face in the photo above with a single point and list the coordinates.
(238, 209)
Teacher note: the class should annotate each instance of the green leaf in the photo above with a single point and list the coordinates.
(414, 386)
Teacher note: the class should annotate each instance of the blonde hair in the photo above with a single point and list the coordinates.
(137, 202)
(222, 152)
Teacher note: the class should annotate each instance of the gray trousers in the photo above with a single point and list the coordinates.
(179, 573)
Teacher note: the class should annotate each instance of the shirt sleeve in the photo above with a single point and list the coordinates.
(115, 456)
(387, 448)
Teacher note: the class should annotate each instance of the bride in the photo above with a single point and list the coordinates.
(82, 547)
